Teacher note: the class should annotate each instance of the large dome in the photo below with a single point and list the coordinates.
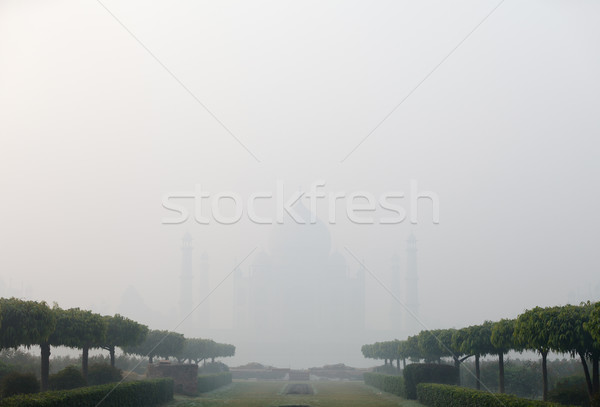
(304, 246)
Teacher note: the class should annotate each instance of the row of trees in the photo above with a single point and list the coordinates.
(31, 323)
(569, 329)
(168, 344)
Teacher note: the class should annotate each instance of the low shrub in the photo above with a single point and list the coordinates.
(384, 382)
(212, 368)
(103, 373)
(68, 378)
(427, 373)
(18, 383)
(570, 390)
(443, 395)
(386, 369)
(213, 381)
(144, 393)
(5, 368)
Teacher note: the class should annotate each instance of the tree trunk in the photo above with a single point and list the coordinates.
(45, 349)
(150, 359)
(545, 375)
(477, 372)
(404, 363)
(586, 371)
(596, 372)
(501, 372)
(112, 355)
(84, 362)
(398, 365)
(457, 367)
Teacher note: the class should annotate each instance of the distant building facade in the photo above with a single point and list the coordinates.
(298, 295)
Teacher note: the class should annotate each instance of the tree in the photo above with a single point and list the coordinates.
(402, 353)
(570, 334)
(533, 330)
(121, 331)
(452, 342)
(26, 323)
(220, 350)
(477, 342)
(368, 351)
(413, 352)
(459, 345)
(195, 349)
(158, 343)
(593, 324)
(76, 328)
(431, 346)
(502, 340)
(389, 350)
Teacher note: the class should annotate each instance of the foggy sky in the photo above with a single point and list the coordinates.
(94, 132)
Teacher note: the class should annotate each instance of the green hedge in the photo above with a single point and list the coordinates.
(132, 394)
(442, 395)
(385, 382)
(68, 378)
(571, 389)
(416, 373)
(18, 383)
(212, 381)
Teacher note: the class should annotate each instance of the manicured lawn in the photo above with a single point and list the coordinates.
(262, 394)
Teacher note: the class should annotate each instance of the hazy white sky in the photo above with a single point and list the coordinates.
(94, 132)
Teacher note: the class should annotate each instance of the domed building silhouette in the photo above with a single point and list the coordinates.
(299, 301)
(298, 288)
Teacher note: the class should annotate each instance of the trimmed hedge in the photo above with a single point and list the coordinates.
(103, 373)
(571, 389)
(385, 382)
(212, 381)
(18, 383)
(427, 373)
(68, 378)
(443, 395)
(131, 394)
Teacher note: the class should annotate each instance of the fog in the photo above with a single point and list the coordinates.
(476, 124)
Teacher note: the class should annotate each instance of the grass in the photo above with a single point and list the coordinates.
(265, 394)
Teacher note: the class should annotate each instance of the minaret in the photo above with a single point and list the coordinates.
(186, 297)
(412, 287)
(202, 289)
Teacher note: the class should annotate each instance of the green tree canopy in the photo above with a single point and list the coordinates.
(502, 340)
(196, 349)
(158, 343)
(24, 323)
(413, 351)
(430, 345)
(27, 323)
(533, 331)
(569, 334)
(593, 324)
(121, 331)
(77, 328)
(476, 340)
(221, 350)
